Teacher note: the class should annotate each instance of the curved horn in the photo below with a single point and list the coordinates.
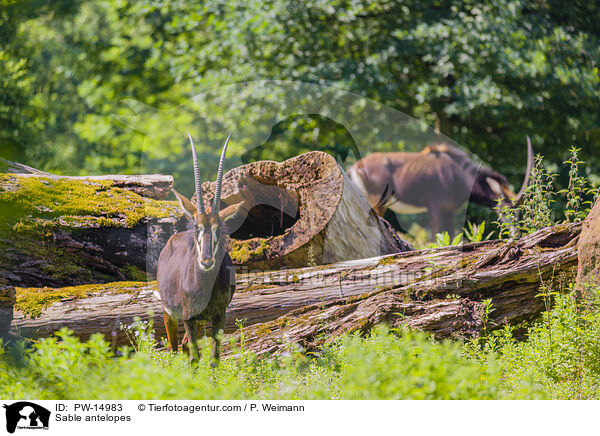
(219, 184)
(528, 173)
(197, 182)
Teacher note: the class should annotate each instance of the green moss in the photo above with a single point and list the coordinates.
(255, 287)
(250, 250)
(390, 260)
(34, 210)
(32, 301)
(263, 329)
(31, 202)
(133, 273)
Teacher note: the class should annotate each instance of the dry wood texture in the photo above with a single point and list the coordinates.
(438, 290)
(7, 302)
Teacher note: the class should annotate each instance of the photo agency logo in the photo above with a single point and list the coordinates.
(25, 415)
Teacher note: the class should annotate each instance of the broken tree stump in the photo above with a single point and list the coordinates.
(303, 211)
(438, 290)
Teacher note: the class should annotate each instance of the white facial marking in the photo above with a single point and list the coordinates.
(215, 241)
(494, 186)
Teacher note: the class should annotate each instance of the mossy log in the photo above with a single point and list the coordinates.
(64, 231)
(439, 290)
(302, 211)
(156, 186)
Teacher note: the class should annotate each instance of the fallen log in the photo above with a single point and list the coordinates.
(63, 231)
(156, 186)
(7, 301)
(439, 290)
(448, 302)
(57, 231)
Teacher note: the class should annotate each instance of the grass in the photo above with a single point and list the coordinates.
(381, 366)
(559, 359)
(561, 353)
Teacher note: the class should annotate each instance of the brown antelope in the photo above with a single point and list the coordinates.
(195, 275)
(433, 180)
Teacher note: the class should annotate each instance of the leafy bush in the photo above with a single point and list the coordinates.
(559, 360)
(560, 354)
(381, 366)
(412, 367)
(539, 209)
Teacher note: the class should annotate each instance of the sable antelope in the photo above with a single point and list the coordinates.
(433, 180)
(195, 275)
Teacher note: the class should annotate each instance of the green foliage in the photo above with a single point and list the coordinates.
(486, 73)
(536, 210)
(21, 121)
(444, 240)
(559, 360)
(476, 232)
(381, 366)
(412, 367)
(560, 354)
(580, 193)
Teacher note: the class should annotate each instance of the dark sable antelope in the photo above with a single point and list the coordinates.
(196, 278)
(435, 180)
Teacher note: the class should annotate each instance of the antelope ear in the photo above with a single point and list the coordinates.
(188, 207)
(233, 216)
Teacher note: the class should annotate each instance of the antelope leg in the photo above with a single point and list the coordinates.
(171, 326)
(218, 323)
(192, 336)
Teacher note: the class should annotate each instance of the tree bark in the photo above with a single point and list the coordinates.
(588, 275)
(439, 290)
(7, 302)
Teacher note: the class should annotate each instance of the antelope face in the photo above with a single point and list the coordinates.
(207, 237)
(211, 230)
(209, 227)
